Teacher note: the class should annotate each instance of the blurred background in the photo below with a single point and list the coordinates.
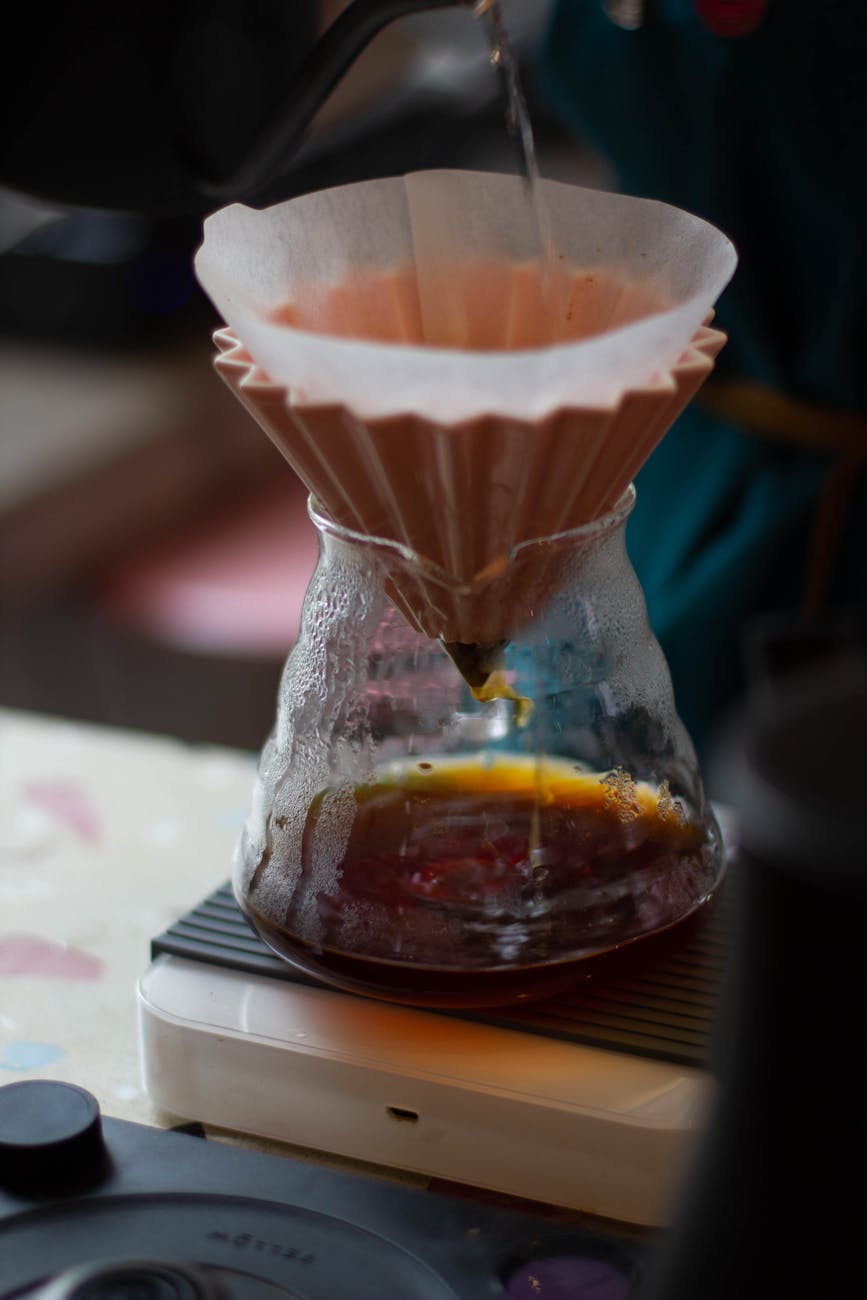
(154, 547)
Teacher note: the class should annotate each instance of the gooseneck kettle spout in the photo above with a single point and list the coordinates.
(325, 65)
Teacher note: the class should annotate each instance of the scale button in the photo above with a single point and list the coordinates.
(50, 1136)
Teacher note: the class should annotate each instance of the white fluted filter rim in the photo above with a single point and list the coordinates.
(422, 229)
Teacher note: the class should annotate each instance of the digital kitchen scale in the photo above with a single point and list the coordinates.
(591, 1101)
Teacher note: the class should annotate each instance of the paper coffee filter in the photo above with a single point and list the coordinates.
(422, 294)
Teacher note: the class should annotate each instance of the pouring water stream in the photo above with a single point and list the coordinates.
(521, 132)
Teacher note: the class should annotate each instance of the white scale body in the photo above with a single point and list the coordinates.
(600, 1131)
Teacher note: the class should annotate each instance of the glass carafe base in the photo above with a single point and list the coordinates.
(480, 883)
(440, 989)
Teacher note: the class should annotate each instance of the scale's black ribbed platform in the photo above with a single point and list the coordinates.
(665, 1010)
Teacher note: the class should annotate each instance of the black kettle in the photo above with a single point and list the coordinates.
(173, 107)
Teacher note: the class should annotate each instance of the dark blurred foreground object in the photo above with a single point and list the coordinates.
(171, 108)
(774, 1207)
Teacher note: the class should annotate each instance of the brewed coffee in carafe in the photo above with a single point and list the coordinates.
(415, 841)
(477, 785)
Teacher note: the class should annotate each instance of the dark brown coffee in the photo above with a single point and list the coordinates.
(468, 884)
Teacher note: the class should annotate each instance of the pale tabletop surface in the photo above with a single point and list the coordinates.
(106, 838)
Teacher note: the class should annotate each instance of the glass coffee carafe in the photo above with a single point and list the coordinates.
(475, 819)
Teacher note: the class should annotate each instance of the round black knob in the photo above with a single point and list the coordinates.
(50, 1136)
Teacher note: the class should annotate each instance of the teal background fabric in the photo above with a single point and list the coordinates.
(766, 136)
